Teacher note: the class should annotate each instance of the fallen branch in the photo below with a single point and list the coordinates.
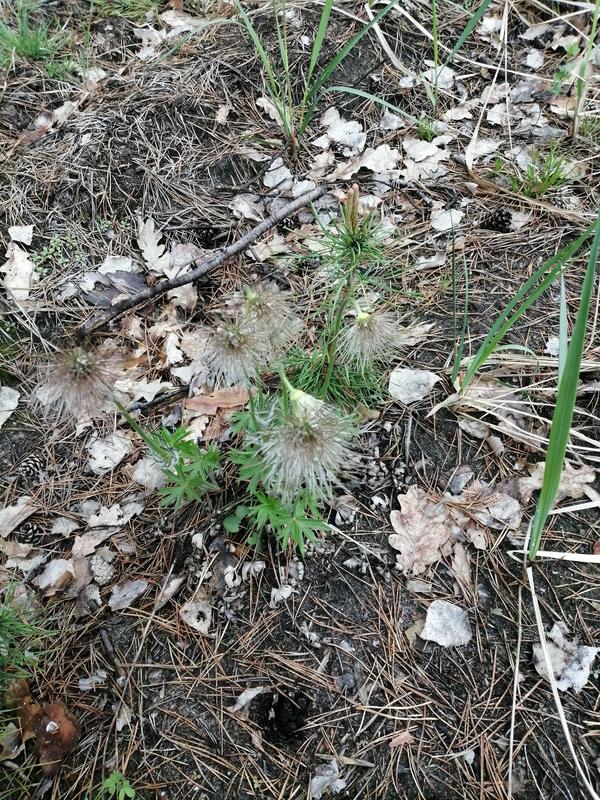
(203, 265)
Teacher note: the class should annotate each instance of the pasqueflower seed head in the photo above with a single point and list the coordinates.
(267, 308)
(305, 448)
(77, 383)
(236, 352)
(371, 336)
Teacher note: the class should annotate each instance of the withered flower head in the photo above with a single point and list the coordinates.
(236, 352)
(77, 382)
(305, 448)
(371, 336)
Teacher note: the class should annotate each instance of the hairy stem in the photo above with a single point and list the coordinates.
(342, 301)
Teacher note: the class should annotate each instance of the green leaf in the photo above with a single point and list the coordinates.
(541, 280)
(312, 96)
(469, 28)
(565, 403)
(231, 524)
(319, 39)
(272, 84)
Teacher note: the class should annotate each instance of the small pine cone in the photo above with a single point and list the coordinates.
(29, 532)
(287, 224)
(499, 220)
(31, 467)
(102, 567)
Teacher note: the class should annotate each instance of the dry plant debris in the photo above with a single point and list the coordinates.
(380, 662)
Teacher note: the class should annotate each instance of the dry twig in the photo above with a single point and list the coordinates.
(203, 266)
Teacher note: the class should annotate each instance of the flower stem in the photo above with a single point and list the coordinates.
(284, 381)
(342, 300)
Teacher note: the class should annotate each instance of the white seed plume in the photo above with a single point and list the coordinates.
(305, 449)
(371, 336)
(265, 307)
(76, 383)
(236, 352)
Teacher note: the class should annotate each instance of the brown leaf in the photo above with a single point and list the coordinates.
(402, 739)
(16, 692)
(422, 528)
(57, 575)
(596, 548)
(460, 566)
(57, 733)
(12, 516)
(17, 697)
(235, 397)
(218, 425)
(573, 481)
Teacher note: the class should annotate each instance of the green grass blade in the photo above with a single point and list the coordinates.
(312, 95)
(469, 28)
(541, 279)
(588, 52)
(563, 330)
(374, 99)
(565, 404)
(281, 30)
(319, 39)
(273, 86)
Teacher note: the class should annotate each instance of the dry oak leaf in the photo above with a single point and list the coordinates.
(423, 530)
(235, 397)
(57, 575)
(18, 698)
(573, 481)
(57, 733)
(12, 516)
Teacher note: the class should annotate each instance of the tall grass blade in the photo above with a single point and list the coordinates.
(541, 280)
(563, 330)
(436, 56)
(374, 99)
(312, 96)
(281, 30)
(272, 84)
(469, 28)
(319, 39)
(565, 404)
(581, 84)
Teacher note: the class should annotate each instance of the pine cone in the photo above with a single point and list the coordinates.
(31, 467)
(499, 220)
(102, 567)
(286, 225)
(29, 532)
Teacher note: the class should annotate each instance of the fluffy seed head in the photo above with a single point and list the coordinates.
(306, 448)
(236, 352)
(266, 307)
(371, 336)
(77, 383)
